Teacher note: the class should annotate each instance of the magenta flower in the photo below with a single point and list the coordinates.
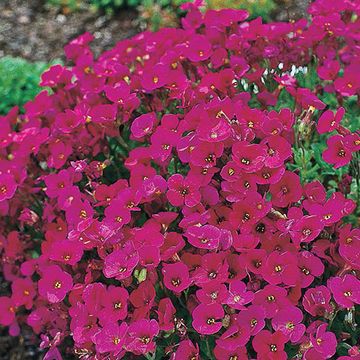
(143, 125)
(288, 321)
(213, 269)
(238, 296)
(154, 77)
(272, 298)
(114, 304)
(206, 154)
(270, 345)
(103, 113)
(66, 251)
(8, 186)
(248, 212)
(277, 152)
(337, 153)
(54, 284)
(186, 350)
(7, 311)
(249, 157)
(176, 276)
(111, 338)
(198, 48)
(310, 267)
(23, 292)
(156, 188)
(207, 318)
(204, 237)
(349, 245)
(324, 342)
(288, 190)
(121, 263)
(140, 336)
(329, 122)
(254, 315)
(306, 229)
(57, 183)
(212, 293)
(316, 301)
(239, 353)
(281, 268)
(182, 191)
(166, 314)
(238, 334)
(346, 290)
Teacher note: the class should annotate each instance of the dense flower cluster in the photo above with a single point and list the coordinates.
(148, 205)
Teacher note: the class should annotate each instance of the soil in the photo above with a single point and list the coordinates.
(33, 30)
(36, 31)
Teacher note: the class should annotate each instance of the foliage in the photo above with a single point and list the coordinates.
(255, 8)
(19, 82)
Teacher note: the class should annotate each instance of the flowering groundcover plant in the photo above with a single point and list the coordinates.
(173, 199)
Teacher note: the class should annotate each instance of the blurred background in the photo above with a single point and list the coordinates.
(34, 32)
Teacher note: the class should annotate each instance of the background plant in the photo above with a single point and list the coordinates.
(19, 81)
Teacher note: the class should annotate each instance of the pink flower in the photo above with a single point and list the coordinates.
(346, 290)
(206, 318)
(57, 183)
(166, 314)
(270, 346)
(272, 298)
(182, 191)
(186, 350)
(310, 267)
(213, 269)
(141, 334)
(114, 304)
(23, 292)
(8, 186)
(249, 157)
(103, 113)
(337, 153)
(198, 48)
(278, 151)
(349, 245)
(316, 301)
(254, 315)
(111, 338)
(121, 263)
(66, 251)
(54, 284)
(288, 190)
(329, 122)
(288, 321)
(306, 229)
(143, 125)
(239, 353)
(324, 342)
(238, 334)
(281, 268)
(212, 293)
(238, 296)
(7, 311)
(204, 237)
(154, 77)
(176, 276)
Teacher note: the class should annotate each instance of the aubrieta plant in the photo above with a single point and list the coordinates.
(169, 200)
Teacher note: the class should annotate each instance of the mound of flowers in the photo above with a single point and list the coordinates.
(173, 198)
